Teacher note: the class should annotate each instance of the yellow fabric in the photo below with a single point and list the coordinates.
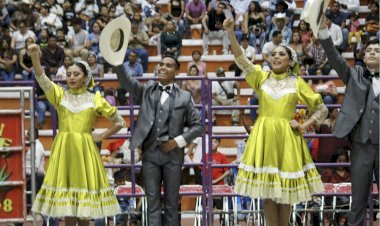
(75, 183)
(276, 163)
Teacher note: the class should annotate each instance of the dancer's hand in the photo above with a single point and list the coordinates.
(169, 145)
(97, 137)
(228, 24)
(295, 125)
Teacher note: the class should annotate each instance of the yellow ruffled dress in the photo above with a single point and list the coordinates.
(276, 163)
(75, 183)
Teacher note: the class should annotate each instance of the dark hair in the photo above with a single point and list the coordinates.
(52, 36)
(336, 2)
(245, 37)
(224, 4)
(257, 7)
(377, 4)
(194, 66)
(306, 23)
(82, 67)
(339, 152)
(288, 51)
(276, 33)
(119, 175)
(371, 42)
(36, 135)
(169, 55)
(196, 51)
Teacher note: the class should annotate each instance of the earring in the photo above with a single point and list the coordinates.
(289, 71)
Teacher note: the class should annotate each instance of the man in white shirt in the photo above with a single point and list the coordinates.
(49, 20)
(335, 33)
(268, 47)
(19, 37)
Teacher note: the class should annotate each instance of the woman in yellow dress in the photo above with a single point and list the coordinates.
(276, 165)
(75, 185)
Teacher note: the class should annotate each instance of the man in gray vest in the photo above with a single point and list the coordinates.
(358, 118)
(165, 109)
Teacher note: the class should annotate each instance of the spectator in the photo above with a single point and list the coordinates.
(87, 10)
(339, 18)
(280, 20)
(120, 180)
(240, 7)
(254, 24)
(315, 51)
(68, 15)
(213, 28)
(349, 6)
(78, 36)
(217, 174)
(339, 174)
(62, 41)
(26, 62)
(268, 47)
(103, 18)
(52, 54)
(176, 10)
(193, 86)
(55, 8)
(196, 60)
(24, 12)
(134, 68)
(223, 94)
(19, 36)
(8, 60)
(171, 42)
(138, 41)
(296, 44)
(372, 20)
(42, 105)
(123, 8)
(96, 70)
(354, 29)
(4, 15)
(305, 32)
(195, 11)
(156, 27)
(327, 89)
(92, 40)
(49, 20)
(150, 8)
(335, 33)
(61, 72)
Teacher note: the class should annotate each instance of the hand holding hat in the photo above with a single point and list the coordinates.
(314, 14)
(113, 41)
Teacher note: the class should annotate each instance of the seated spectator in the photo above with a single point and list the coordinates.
(43, 37)
(196, 60)
(103, 18)
(339, 18)
(92, 40)
(42, 105)
(52, 54)
(62, 41)
(49, 20)
(327, 89)
(349, 6)
(254, 25)
(25, 62)
(68, 15)
(61, 72)
(4, 15)
(138, 19)
(280, 20)
(96, 70)
(268, 47)
(134, 69)
(138, 42)
(19, 36)
(156, 27)
(176, 10)
(223, 94)
(372, 20)
(315, 51)
(305, 32)
(355, 29)
(124, 8)
(195, 11)
(109, 95)
(338, 174)
(296, 44)
(8, 60)
(55, 8)
(171, 42)
(78, 37)
(193, 86)
(335, 33)
(86, 10)
(213, 28)
(149, 9)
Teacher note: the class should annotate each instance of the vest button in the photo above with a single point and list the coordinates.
(370, 131)
(361, 110)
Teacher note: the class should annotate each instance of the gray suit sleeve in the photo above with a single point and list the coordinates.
(336, 60)
(193, 117)
(134, 87)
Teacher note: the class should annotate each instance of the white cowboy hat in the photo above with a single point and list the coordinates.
(312, 13)
(113, 41)
(29, 2)
(280, 16)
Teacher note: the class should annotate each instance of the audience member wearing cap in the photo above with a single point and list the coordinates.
(75, 155)
(223, 94)
(280, 20)
(278, 91)
(358, 119)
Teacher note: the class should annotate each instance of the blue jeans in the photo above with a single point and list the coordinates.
(7, 75)
(26, 75)
(42, 106)
(253, 112)
(252, 40)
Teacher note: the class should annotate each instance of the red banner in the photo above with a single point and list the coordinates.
(12, 172)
